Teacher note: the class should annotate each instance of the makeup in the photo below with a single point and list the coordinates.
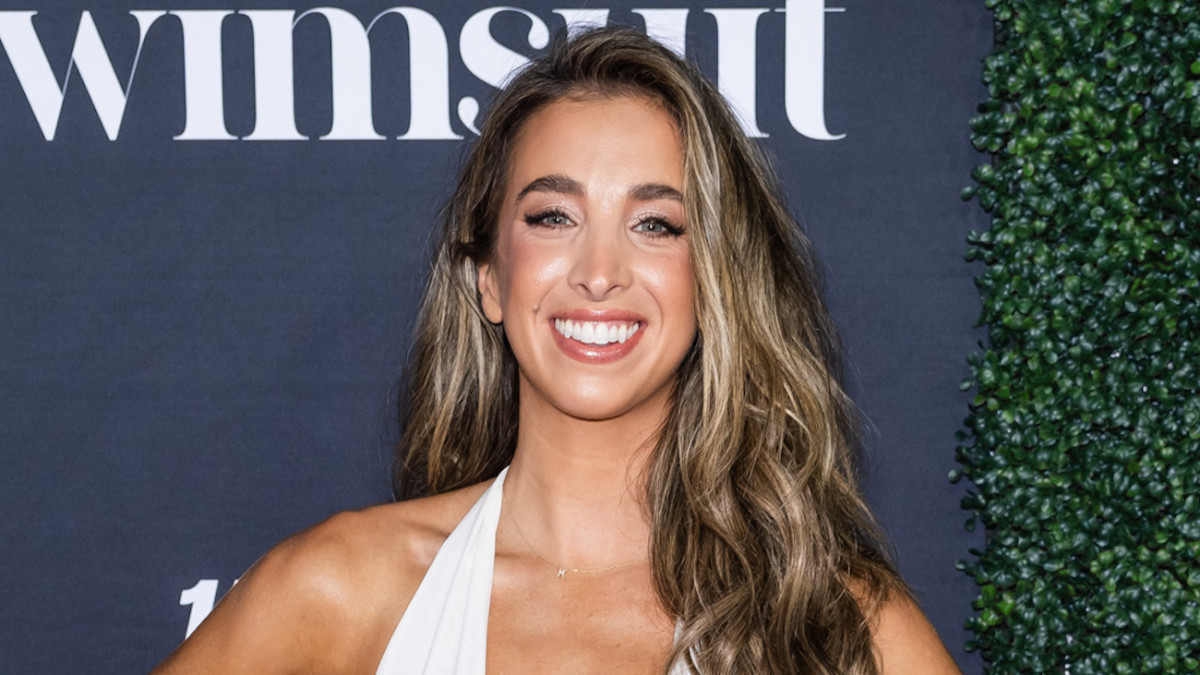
(597, 336)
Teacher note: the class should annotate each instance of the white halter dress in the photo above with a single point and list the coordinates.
(444, 629)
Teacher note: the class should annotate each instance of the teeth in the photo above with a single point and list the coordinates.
(596, 332)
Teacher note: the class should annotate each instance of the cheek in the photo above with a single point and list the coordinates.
(531, 267)
(671, 278)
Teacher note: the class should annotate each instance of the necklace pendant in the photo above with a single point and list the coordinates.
(562, 573)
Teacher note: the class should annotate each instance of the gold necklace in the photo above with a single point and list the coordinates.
(562, 569)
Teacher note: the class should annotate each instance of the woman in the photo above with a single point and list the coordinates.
(623, 314)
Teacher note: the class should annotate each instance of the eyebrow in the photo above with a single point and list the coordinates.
(561, 184)
(553, 183)
(650, 191)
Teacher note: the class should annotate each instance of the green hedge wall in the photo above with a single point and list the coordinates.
(1083, 441)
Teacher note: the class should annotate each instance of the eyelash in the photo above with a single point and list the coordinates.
(668, 230)
(539, 219)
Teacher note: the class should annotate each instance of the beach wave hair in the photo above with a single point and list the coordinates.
(761, 543)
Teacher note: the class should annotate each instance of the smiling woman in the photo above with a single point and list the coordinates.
(627, 446)
(591, 245)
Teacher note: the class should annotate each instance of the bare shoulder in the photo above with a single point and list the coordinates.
(905, 641)
(326, 599)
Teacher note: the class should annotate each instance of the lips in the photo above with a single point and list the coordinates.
(597, 336)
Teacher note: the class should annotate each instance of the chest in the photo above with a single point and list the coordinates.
(538, 623)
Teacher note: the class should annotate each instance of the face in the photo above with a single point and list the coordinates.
(591, 276)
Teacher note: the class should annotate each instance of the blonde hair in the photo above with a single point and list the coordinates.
(761, 543)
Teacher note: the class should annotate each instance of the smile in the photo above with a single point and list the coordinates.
(597, 333)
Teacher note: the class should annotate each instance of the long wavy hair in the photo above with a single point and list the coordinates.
(761, 543)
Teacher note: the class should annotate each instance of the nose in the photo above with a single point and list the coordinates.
(601, 265)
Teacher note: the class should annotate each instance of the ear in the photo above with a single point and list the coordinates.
(489, 293)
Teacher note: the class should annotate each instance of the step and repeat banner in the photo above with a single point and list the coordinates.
(214, 226)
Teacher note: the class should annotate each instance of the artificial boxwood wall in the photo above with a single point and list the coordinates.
(1083, 439)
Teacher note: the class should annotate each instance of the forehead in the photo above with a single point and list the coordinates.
(601, 139)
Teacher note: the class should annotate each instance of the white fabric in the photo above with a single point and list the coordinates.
(444, 629)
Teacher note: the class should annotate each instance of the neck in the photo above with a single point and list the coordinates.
(576, 488)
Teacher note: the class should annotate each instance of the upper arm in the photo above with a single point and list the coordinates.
(296, 610)
(905, 641)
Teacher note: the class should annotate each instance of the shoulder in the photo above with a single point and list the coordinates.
(352, 555)
(326, 599)
(904, 640)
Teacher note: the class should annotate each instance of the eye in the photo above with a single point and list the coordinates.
(657, 227)
(553, 218)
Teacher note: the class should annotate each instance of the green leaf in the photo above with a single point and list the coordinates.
(1082, 443)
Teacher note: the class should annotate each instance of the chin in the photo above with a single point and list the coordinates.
(594, 411)
(600, 399)
(635, 405)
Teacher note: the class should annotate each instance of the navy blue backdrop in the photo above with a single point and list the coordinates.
(212, 242)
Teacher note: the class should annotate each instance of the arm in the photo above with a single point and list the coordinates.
(293, 611)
